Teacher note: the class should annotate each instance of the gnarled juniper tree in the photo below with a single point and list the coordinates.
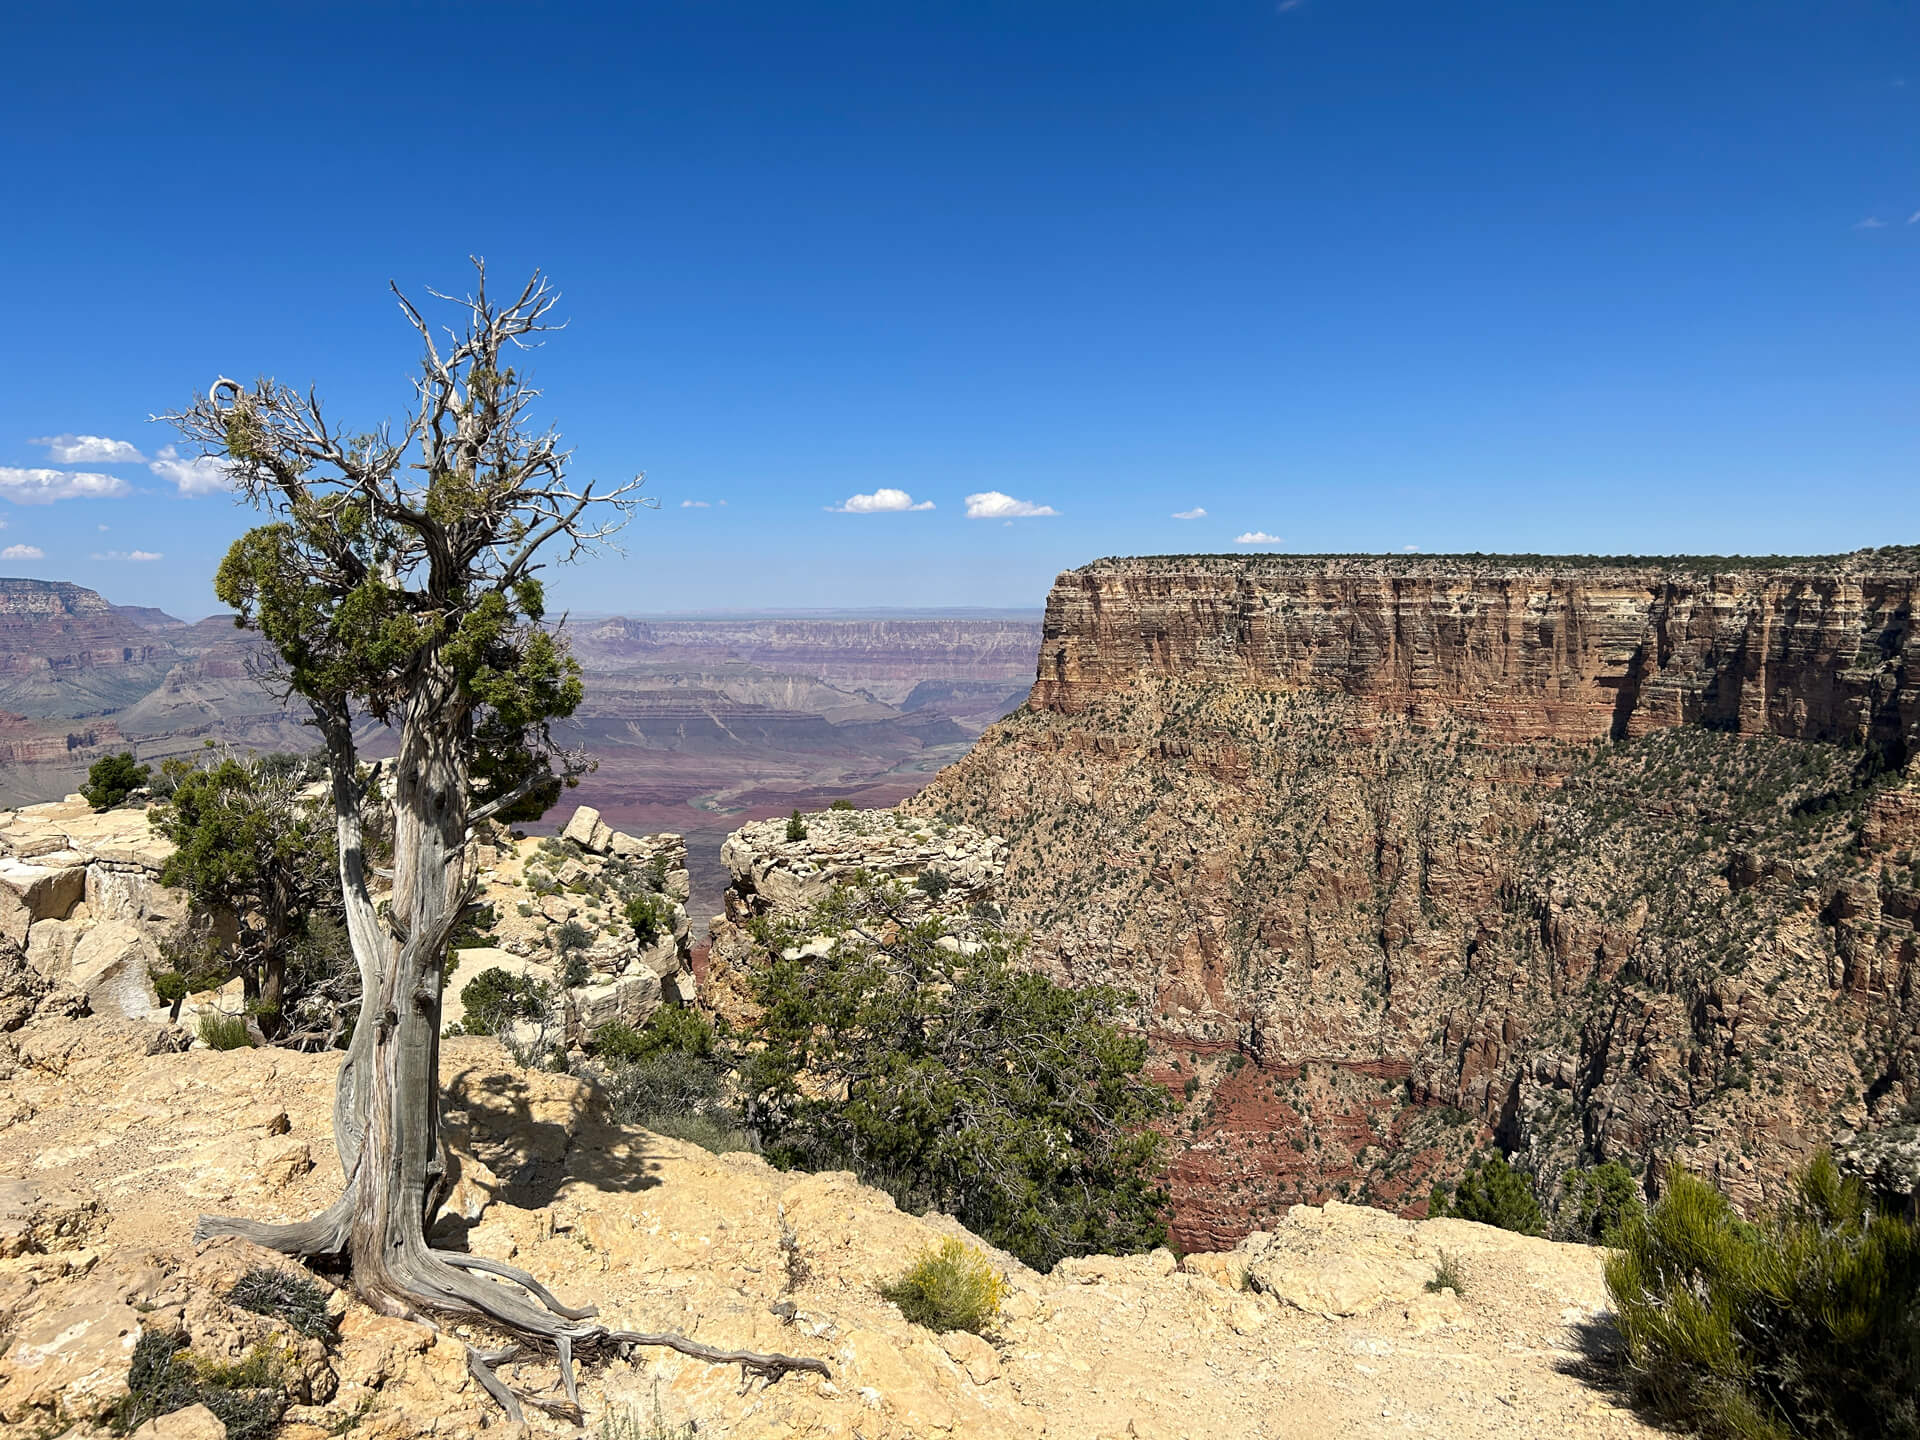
(398, 580)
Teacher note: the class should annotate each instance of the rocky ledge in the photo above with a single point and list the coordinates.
(557, 911)
(947, 869)
(777, 875)
(80, 894)
(1319, 1327)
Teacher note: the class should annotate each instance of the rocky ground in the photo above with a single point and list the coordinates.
(1321, 1327)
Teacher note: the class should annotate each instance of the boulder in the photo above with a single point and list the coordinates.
(38, 890)
(133, 895)
(196, 1422)
(111, 966)
(50, 945)
(630, 1000)
(587, 830)
(660, 959)
(72, 1359)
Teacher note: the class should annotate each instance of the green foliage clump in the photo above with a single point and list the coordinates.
(670, 1029)
(249, 847)
(222, 1031)
(1598, 1203)
(1806, 1323)
(796, 827)
(495, 998)
(933, 884)
(572, 935)
(248, 1396)
(1447, 1276)
(287, 1295)
(574, 971)
(670, 1076)
(112, 778)
(892, 1056)
(841, 804)
(1493, 1193)
(649, 915)
(950, 1287)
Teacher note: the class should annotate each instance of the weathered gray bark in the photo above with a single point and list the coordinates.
(387, 1100)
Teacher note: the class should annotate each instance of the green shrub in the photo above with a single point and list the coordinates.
(649, 915)
(933, 884)
(1598, 1203)
(796, 827)
(1492, 1193)
(1447, 1276)
(950, 1287)
(286, 1295)
(842, 804)
(112, 778)
(671, 1028)
(248, 1395)
(495, 998)
(572, 935)
(222, 1031)
(889, 1056)
(575, 971)
(1806, 1323)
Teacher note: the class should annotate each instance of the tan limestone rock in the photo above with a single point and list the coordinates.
(196, 1422)
(112, 966)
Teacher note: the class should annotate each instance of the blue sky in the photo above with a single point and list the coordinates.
(1359, 276)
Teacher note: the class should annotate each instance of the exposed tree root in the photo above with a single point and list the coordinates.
(429, 1286)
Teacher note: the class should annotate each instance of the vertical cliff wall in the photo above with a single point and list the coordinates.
(1406, 856)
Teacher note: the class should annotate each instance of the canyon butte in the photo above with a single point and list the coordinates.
(1403, 858)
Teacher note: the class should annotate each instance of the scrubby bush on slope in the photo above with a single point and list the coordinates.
(1805, 1323)
(939, 1071)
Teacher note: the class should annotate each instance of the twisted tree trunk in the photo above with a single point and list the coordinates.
(387, 1102)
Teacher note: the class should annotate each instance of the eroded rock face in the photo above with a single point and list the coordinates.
(1410, 856)
(1524, 652)
(80, 894)
(775, 876)
(562, 900)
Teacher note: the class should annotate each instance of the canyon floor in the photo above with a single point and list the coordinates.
(109, 1153)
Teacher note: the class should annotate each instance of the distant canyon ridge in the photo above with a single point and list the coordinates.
(698, 725)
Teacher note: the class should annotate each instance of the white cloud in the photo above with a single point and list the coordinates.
(1258, 537)
(992, 505)
(1409, 549)
(1196, 513)
(693, 505)
(202, 475)
(23, 552)
(1870, 223)
(879, 502)
(88, 450)
(43, 487)
(136, 556)
(1914, 219)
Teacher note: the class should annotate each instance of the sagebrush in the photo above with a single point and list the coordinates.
(951, 1286)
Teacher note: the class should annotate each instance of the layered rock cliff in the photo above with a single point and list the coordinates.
(1405, 856)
